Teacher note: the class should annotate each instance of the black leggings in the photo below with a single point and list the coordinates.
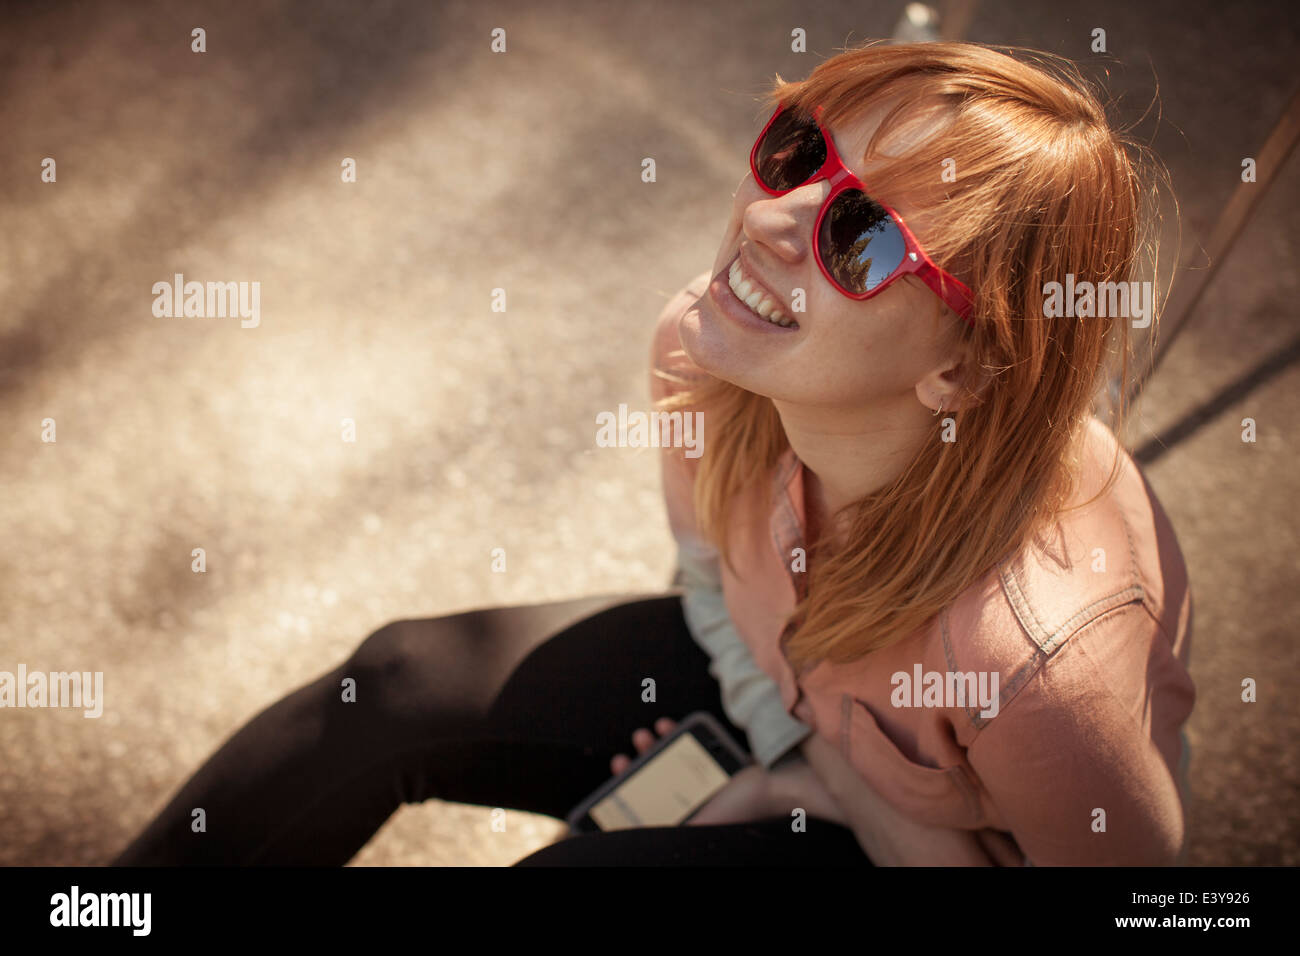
(518, 707)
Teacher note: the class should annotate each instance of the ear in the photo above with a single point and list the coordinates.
(959, 384)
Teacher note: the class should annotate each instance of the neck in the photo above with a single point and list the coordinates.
(850, 453)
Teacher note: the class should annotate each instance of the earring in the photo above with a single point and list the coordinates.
(937, 410)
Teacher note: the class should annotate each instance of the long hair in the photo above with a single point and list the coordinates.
(1042, 187)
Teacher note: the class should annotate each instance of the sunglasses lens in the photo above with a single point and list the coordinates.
(860, 244)
(790, 151)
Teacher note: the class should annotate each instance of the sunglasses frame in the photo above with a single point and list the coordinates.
(954, 293)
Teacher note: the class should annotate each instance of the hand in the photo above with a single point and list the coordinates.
(885, 834)
(902, 841)
(642, 740)
(794, 783)
(746, 796)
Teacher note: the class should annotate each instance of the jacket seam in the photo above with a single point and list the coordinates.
(1011, 587)
(1076, 623)
(1132, 554)
(1129, 595)
(1160, 625)
(1012, 686)
(1034, 628)
(1003, 705)
(961, 778)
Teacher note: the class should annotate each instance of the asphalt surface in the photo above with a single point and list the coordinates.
(475, 429)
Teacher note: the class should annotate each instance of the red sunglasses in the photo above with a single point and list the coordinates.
(861, 244)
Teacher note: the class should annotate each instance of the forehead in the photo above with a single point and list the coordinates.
(852, 134)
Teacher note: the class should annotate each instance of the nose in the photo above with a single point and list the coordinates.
(785, 223)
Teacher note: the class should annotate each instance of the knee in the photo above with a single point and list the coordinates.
(386, 666)
(421, 669)
(382, 653)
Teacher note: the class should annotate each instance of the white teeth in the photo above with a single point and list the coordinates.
(758, 301)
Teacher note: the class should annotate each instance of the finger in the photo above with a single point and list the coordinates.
(619, 763)
(642, 739)
(704, 816)
(664, 726)
(718, 810)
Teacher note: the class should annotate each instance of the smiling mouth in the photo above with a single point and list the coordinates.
(754, 298)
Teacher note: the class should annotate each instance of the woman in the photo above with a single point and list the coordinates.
(922, 582)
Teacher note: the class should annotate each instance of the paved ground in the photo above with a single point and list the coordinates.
(474, 428)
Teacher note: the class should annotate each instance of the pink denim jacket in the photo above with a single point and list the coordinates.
(1079, 757)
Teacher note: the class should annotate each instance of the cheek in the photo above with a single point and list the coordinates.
(841, 325)
(842, 354)
(858, 347)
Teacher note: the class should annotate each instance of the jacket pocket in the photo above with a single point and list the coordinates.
(937, 796)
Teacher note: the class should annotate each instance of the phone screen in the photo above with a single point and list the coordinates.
(676, 782)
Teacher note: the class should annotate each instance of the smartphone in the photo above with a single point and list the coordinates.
(667, 784)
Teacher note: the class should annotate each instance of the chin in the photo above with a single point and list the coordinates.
(703, 340)
(703, 337)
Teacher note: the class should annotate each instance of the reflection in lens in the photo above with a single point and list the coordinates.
(791, 151)
(860, 244)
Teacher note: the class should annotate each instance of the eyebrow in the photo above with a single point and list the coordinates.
(847, 158)
(844, 157)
